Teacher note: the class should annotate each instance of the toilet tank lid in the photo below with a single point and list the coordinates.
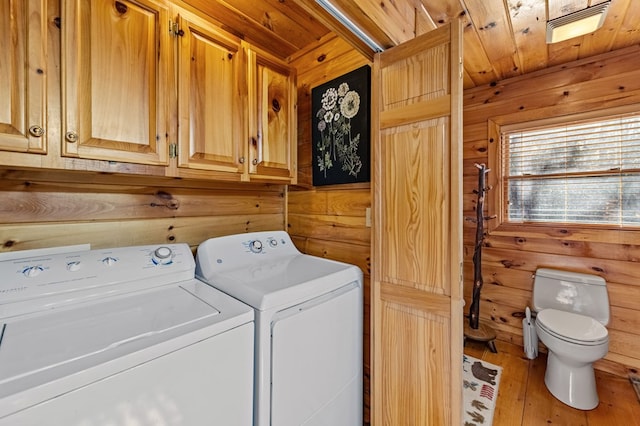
(575, 277)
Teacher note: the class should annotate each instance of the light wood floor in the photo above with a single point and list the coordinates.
(523, 398)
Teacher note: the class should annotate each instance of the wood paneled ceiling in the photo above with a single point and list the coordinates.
(502, 38)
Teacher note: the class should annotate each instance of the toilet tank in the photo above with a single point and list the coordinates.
(583, 294)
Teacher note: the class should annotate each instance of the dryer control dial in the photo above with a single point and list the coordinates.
(255, 246)
(162, 256)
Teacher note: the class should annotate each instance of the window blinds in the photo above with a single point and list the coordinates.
(586, 172)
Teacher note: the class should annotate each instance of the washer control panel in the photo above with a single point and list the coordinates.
(264, 244)
(238, 251)
(26, 277)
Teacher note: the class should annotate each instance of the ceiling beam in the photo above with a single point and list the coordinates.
(319, 13)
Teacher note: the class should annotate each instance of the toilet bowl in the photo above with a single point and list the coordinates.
(574, 343)
(572, 311)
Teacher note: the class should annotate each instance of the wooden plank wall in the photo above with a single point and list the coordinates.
(57, 208)
(329, 221)
(510, 257)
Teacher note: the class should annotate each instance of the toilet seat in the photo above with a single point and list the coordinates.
(572, 327)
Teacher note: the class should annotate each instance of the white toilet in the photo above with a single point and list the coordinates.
(572, 312)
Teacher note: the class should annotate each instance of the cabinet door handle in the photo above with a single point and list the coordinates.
(71, 137)
(255, 161)
(241, 160)
(36, 131)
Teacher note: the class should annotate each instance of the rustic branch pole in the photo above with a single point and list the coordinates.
(474, 309)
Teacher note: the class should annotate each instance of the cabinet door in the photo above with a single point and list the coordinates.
(23, 76)
(211, 98)
(115, 80)
(272, 96)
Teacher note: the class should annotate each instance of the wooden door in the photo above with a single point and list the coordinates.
(272, 119)
(115, 80)
(211, 98)
(23, 76)
(417, 247)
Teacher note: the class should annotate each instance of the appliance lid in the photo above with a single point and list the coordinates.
(572, 326)
(573, 277)
(40, 348)
(283, 280)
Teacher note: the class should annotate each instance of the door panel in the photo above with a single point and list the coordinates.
(23, 76)
(316, 361)
(414, 383)
(417, 247)
(416, 231)
(210, 99)
(273, 128)
(115, 82)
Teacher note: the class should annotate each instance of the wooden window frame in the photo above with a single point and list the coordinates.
(496, 207)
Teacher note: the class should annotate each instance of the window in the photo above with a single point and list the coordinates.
(582, 172)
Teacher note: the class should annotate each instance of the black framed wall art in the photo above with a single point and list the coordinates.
(341, 129)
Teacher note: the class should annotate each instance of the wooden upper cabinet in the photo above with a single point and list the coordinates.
(115, 63)
(23, 76)
(211, 98)
(141, 83)
(272, 118)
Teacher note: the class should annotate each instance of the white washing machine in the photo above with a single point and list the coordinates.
(308, 356)
(124, 336)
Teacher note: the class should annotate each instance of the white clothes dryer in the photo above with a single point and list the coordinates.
(123, 336)
(308, 347)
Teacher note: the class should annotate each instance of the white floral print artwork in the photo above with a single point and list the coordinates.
(337, 144)
(339, 140)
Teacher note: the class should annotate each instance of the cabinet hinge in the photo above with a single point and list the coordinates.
(173, 150)
(174, 29)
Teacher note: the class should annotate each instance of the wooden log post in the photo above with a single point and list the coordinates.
(475, 330)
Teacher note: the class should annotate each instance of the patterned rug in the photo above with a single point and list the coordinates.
(479, 391)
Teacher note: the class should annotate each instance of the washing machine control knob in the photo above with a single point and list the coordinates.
(109, 261)
(162, 256)
(255, 246)
(32, 271)
(73, 266)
